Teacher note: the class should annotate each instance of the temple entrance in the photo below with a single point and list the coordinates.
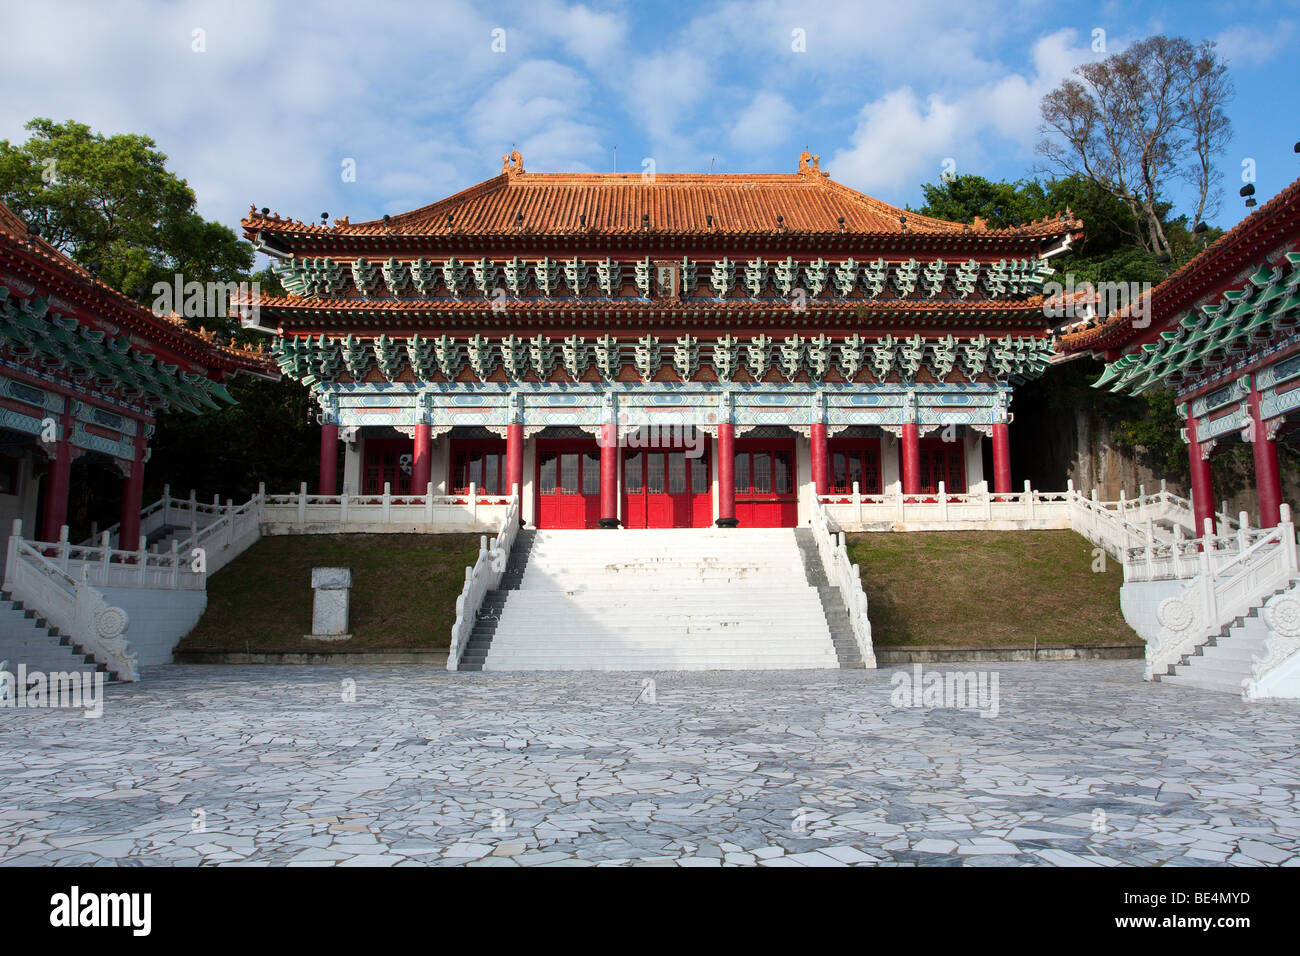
(387, 460)
(568, 483)
(765, 483)
(943, 461)
(667, 488)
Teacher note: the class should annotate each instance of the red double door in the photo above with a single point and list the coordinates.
(568, 483)
(766, 485)
(667, 488)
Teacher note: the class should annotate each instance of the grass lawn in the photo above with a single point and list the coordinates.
(404, 590)
(988, 589)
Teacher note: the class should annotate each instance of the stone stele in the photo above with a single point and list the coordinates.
(329, 613)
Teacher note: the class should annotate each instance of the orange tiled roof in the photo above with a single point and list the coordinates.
(806, 202)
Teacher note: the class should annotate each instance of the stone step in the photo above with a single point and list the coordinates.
(1233, 650)
(26, 639)
(655, 600)
(704, 639)
(1226, 669)
(1214, 683)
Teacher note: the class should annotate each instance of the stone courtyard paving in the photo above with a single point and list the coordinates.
(1084, 764)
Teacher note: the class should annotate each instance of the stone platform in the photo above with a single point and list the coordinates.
(1084, 764)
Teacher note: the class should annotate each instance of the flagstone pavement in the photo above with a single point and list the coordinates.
(1084, 764)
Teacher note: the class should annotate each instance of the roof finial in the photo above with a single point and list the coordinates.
(810, 165)
(512, 163)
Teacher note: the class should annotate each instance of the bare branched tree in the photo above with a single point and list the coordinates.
(1140, 119)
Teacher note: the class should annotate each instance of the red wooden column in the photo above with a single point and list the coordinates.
(1202, 483)
(727, 475)
(515, 460)
(59, 478)
(329, 460)
(422, 462)
(1268, 485)
(1001, 460)
(608, 476)
(128, 537)
(911, 463)
(820, 476)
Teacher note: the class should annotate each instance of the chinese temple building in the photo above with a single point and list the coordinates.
(660, 350)
(84, 371)
(1223, 332)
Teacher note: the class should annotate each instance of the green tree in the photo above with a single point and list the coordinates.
(1148, 425)
(112, 205)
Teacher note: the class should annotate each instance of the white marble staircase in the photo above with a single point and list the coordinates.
(28, 639)
(688, 599)
(1225, 665)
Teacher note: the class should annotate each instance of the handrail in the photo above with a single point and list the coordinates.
(73, 607)
(304, 512)
(483, 576)
(845, 575)
(1222, 592)
(167, 511)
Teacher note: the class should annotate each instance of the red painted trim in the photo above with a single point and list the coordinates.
(422, 463)
(58, 479)
(726, 471)
(1001, 459)
(1268, 483)
(911, 459)
(329, 460)
(820, 478)
(132, 499)
(515, 458)
(1202, 480)
(609, 473)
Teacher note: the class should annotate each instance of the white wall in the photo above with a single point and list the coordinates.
(440, 464)
(974, 461)
(1139, 601)
(891, 469)
(527, 506)
(20, 505)
(352, 458)
(803, 474)
(157, 618)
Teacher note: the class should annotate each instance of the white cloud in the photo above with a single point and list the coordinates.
(1247, 45)
(767, 120)
(900, 140)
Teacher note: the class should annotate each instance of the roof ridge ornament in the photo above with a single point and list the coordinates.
(810, 165)
(512, 164)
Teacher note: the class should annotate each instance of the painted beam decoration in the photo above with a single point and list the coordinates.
(546, 279)
(1010, 360)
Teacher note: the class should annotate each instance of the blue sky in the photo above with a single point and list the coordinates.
(283, 94)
